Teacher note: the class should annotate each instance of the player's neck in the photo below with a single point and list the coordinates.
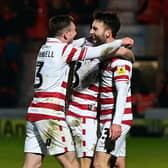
(108, 40)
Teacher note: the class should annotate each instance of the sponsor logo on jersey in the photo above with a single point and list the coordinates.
(121, 70)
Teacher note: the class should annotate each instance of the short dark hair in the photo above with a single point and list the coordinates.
(110, 19)
(57, 24)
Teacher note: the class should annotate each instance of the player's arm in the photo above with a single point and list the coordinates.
(126, 54)
(83, 41)
(122, 52)
(104, 51)
(121, 77)
(79, 42)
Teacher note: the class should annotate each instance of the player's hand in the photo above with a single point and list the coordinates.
(127, 42)
(115, 131)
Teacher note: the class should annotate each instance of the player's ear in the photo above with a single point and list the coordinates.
(107, 33)
(65, 35)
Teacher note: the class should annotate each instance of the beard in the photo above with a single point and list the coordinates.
(96, 40)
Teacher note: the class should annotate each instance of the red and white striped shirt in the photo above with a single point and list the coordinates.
(51, 77)
(84, 98)
(83, 102)
(115, 92)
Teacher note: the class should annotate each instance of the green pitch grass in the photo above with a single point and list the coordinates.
(141, 153)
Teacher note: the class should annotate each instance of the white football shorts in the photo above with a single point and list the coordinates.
(116, 148)
(48, 137)
(84, 132)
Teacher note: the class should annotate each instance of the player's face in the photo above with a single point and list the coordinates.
(97, 32)
(70, 35)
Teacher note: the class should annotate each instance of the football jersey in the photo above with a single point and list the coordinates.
(51, 77)
(116, 108)
(83, 101)
(51, 80)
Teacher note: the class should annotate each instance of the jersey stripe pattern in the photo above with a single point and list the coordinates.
(83, 102)
(51, 78)
(117, 70)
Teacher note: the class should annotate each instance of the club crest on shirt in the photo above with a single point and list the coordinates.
(121, 70)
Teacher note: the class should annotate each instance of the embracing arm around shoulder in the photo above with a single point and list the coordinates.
(125, 53)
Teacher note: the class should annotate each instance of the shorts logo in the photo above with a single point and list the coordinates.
(121, 70)
(48, 142)
(109, 144)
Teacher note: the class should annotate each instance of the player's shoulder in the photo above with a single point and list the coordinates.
(120, 61)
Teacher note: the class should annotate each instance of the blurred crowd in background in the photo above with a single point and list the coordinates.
(23, 28)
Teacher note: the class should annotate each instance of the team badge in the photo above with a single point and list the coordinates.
(121, 70)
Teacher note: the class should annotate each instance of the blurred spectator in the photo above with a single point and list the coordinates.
(136, 77)
(82, 10)
(163, 95)
(15, 17)
(154, 12)
(33, 38)
(10, 70)
(142, 100)
(7, 91)
(56, 7)
(39, 29)
(149, 11)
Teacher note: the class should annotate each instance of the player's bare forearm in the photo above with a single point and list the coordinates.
(126, 54)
